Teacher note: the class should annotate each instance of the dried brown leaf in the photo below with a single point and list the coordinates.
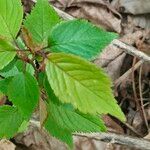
(42, 111)
(147, 136)
(29, 41)
(99, 12)
(112, 57)
(132, 6)
(142, 21)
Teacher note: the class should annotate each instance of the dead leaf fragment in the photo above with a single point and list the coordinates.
(6, 145)
(147, 136)
(132, 6)
(142, 21)
(42, 111)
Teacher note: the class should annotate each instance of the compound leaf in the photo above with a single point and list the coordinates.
(11, 14)
(41, 20)
(81, 83)
(80, 38)
(10, 121)
(23, 91)
(7, 53)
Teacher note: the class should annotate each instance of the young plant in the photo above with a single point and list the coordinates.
(46, 67)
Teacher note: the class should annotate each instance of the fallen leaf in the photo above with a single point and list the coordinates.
(6, 145)
(142, 21)
(147, 136)
(132, 6)
(99, 12)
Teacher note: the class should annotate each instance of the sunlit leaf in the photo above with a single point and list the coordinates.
(10, 121)
(41, 20)
(11, 14)
(81, 83)
(79, 37)
(23, 91)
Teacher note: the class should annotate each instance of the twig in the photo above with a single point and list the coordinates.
(126, 74)
(119, 139)
(132, 129)
(111, 137)
(141, 98)
(131, 50)
(134, 87)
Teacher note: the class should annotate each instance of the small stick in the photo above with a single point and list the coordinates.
(131, 50)
(126, 74)
(132, 129)
(141, 98)
(119, 139)
(129, 141)
(134, 87)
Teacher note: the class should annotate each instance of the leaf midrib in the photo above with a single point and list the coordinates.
(77, 81)
(72, 41)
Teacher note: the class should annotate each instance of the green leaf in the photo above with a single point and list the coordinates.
(21, 44)
(56, 131)
(30, 69)
(50, 92)
(15, 67)
(66, 117)
(73, 121)
(7, 53)
(1, 96)
(23, 91)
(9, 66)
(4, 85)
(81, 83)
(12, 72)
(23, 127)
(80, 38)
(21, 65)
(10, 121)
(41, 20)
(11, 14)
